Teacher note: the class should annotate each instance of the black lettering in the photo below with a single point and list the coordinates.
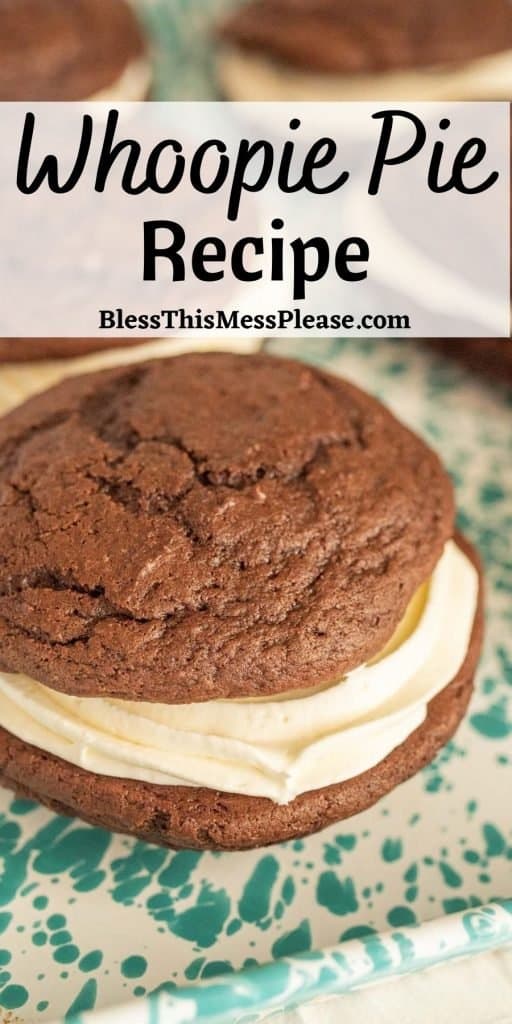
(381, 157)
(300, 274)
(246, 153)
(170, 252)
(107, 319)
(50, 167)
(238, 267)
(200, 257)
(343, 257)
(152, 167)
(197, 166)
(470, 154)
(110, 151)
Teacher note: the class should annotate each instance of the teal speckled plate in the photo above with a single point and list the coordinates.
(100, 928)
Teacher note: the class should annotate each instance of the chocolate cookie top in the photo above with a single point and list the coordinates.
(209, 525)
(64, 49)
(371, 35)
(20, 350)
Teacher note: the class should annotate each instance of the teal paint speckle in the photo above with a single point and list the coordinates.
(254, 905)
(296, 941)
(337, 895)
(454, 905)
(90, 882)
(76, 850)
(160, 901)
(359, 931)
(85, 1000)
(288, 890)
(493, 724)
(180, 869)
(505, 662)
(91, 961)
(450, 876)
(347, 841)
(5, 920)
(391, 850)
(396, 368)
(134, 967)
(193, 970)
(22, 807)
(434, 784)
(278, 910)
(166, 987)
(216, 968)
(56, 921)
(127, 892)
(491, 492)
(495, 843)
(13, 997)
(202, 923)
(411, 875)
(66, 954)
(60, 938)
(332, 854)
(398, 917)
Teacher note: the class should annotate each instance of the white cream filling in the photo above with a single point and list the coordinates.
(133, 84)
(276, 748)
(247, 76)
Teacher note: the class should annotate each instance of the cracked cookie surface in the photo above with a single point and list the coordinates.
(209, 526)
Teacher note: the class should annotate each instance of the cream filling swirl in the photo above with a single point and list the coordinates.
(276, 748)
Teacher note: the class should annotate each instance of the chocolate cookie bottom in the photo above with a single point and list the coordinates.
(199, 818)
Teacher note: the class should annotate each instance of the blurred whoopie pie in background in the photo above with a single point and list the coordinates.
(52, 50)
(20, 350)
(338, 49)
(72, 50)
(491, 357)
